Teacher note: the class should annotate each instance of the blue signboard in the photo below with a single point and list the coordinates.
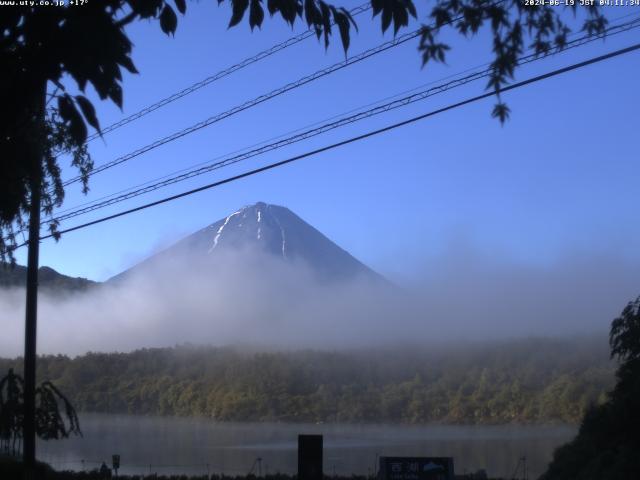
(416, 468)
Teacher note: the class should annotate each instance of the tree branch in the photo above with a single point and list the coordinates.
(126, 20)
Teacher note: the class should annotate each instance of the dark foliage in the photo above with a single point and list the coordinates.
(11, 412)
(534, 381)
(608, 442)
(11, 470)
(50, 421)
(41, 46)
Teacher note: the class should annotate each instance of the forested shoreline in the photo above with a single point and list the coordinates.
(523, 381)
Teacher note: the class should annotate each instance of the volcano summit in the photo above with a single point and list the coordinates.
(272, 230)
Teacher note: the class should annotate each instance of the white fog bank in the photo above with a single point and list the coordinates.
(254, 299)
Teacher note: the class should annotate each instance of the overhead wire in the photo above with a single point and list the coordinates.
(607, 33)
(218, 76)
(323, 128)
(255, 101)
(251, 103)
(348, 141)
(396, 41)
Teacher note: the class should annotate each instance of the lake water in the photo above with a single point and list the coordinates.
(196, 446)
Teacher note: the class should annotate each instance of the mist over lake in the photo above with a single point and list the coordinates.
(259, 327)
(228, 253)
(178, 445)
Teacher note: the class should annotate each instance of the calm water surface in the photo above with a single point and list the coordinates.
(178, 445)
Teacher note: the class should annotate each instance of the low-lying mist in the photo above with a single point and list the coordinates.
(259, 300)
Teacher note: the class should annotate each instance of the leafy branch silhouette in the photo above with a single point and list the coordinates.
(50, 417)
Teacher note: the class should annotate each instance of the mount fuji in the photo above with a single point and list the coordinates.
(272, 230)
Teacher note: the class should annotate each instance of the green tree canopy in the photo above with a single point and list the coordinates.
(608, 442)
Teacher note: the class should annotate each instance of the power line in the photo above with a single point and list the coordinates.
(262, 98)
(252, 146)
(372, 133)
(363, 55)
(219, 75)
(300, 82)
(303, 135)
(252, 103)
(609, 32)
(170, 179)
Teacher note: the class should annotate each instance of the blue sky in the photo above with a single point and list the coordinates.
(559, 178)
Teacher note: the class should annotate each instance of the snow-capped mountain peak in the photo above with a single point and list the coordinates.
(273, 230)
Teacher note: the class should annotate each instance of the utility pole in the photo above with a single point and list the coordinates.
(31, 322)
(31, 308)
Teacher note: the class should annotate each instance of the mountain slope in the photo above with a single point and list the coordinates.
(273, 230)
(48, 279)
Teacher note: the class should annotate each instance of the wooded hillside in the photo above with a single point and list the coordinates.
(524, 381)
